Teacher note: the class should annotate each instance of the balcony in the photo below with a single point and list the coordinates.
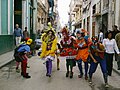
(77, 4)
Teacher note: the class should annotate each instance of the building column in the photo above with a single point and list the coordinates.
(27, 11)
(117, 5)
(110, 18)
(9, 17)
(13, 16)
(119, 17)
(0, 17)
(23, 14)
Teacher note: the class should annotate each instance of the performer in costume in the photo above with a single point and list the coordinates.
(67, 44)
(96, 51)
(49, 43)
(82, 45)
(23, 51)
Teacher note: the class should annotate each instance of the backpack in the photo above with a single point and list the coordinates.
(17, 55)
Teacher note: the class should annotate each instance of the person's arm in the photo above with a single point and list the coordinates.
(28, 34)
(116, 47)
(93, 58)
(21, 33)
(91, 55)
(43, 47)
(116, 38)
(102, 48)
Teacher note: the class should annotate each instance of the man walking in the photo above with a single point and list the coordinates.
(117, 38)
(17, 34)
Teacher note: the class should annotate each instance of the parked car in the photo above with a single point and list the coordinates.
(38, 43)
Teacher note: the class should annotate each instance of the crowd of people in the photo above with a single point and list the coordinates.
(78, 50)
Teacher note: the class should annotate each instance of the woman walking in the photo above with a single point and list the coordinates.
(110, 48)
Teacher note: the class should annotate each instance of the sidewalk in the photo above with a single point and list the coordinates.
(115, 67)
(6, 58)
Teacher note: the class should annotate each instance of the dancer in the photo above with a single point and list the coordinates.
(49, 47)
(96, 50)
(21, 56)
(67, 44)
(82, 56)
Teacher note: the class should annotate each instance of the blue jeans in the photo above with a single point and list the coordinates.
(93, 66)
(80, 67)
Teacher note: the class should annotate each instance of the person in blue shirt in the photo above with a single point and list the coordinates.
(23, 51)
(18, 34)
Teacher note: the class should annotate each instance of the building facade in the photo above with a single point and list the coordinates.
(75, 15)
(6, 25)
(96, 15)
(22, 12)
(42, 14)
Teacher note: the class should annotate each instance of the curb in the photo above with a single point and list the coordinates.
(6, 63)
(116, 71)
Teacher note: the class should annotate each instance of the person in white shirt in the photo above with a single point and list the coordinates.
(110, 48)
(100, 36)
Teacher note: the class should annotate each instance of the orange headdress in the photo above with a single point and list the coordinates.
(84, 31)
(64, 30)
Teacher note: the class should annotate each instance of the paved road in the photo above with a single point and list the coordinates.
(58, 81)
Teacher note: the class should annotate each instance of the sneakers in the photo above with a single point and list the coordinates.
(17, 70)
(90, 81)
(48, 75)
(25, 76)
(71, 75)
(80, 76)
(106, 85)
(67, 74)
(86, 77)
(58, 68)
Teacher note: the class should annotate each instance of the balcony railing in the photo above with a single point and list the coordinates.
(77, 5)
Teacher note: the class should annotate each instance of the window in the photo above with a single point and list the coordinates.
(94, 9)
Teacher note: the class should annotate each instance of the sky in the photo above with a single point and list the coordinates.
(63, 9)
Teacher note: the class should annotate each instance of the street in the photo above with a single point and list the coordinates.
(11, 80)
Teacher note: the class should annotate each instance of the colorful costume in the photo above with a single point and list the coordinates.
(97, 55)
(67, 44)
(49, 47)
(23, 50)
(82, 45)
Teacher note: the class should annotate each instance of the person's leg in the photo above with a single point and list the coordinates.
(104, 70)
(93, 67)
(71, 67)
(58, 62)
(110, 64)
(67, 67)
(50, 67)
(16, 40)
(86, 70)
(24, 68)
(19, 40)
(47, 63)
(109, 60)
(17, 66)
(80, 68)
(118, 61)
